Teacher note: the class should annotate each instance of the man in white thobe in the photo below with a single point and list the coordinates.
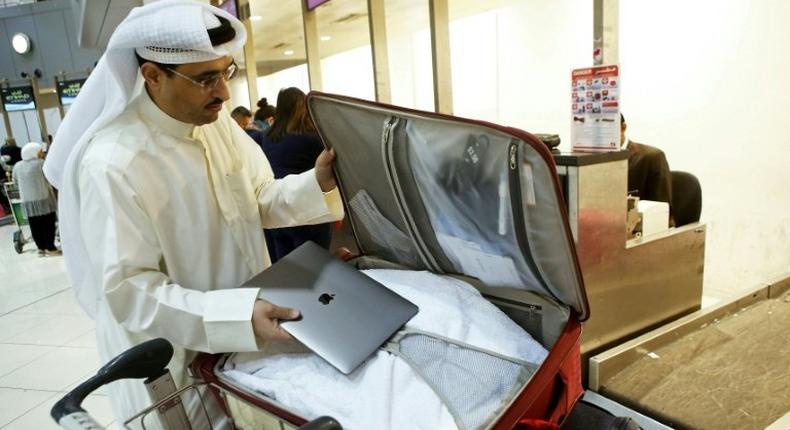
(164, 198)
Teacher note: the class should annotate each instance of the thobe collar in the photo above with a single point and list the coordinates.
(168, 124)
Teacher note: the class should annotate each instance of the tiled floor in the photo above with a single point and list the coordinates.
(47, 343)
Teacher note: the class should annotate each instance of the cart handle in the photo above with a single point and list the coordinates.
(322, 423)
(146, 360)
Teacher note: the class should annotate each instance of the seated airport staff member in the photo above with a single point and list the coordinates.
(648, 170)
(163, 196)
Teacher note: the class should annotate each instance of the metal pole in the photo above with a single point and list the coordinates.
(6, 119)
(311, 47)
(606, 31)
(378, 47)
(42, 123)
(440, 50)
(250, 62)
(60, 102)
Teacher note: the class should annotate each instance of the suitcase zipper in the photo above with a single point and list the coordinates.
(518, 214)
(389, 161)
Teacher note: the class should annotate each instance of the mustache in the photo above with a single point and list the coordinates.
(215, 101)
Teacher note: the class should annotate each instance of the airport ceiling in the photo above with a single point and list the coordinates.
(343, 25)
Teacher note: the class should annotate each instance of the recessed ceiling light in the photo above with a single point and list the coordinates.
(325, 38)
(256, 18)
(21, 43)
(289, 52)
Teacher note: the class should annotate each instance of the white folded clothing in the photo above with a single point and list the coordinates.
(386, 392)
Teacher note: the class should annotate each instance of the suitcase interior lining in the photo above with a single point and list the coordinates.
(446, 180)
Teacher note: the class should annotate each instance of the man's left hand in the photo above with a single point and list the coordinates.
(323, 170)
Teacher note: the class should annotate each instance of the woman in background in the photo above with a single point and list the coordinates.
(264, 116)
(38, 199)
(292, 146)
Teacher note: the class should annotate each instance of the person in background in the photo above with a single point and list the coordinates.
(292, 145)
(12, 151)
(264, 116)
(648, 171)
(10, 154)
(163, 197)
(242, 116)
(38, 200)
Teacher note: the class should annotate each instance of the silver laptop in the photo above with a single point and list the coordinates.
(346, 315)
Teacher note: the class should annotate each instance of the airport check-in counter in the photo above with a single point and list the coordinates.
(633, 285)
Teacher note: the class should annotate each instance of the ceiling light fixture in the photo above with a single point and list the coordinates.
(21, 43)
(325, 38)
(256, 18)
(289, 52)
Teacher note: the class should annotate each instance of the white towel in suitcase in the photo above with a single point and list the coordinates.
(386, 392)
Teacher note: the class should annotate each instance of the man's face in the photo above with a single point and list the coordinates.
(244, 121)
(182, 97)
(622, 133)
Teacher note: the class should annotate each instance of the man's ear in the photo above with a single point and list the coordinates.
(152, 74)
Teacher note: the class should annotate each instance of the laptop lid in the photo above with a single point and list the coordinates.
(346, 315)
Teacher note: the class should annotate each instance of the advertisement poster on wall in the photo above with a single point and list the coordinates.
(68, 90)
(595, 109)
(18, 98)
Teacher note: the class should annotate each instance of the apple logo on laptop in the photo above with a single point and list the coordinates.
(326, 298)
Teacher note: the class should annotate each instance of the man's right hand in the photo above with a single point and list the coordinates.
(266, 319)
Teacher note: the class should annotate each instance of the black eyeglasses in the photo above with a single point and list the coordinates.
(211, 82)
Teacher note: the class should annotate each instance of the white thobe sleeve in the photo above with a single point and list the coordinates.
(126, 259)
(294, 199)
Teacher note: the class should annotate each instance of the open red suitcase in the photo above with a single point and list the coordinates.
(444, 183)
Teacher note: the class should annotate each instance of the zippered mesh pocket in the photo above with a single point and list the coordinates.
(474, 384)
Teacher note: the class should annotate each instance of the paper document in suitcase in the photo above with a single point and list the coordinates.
(457, 364)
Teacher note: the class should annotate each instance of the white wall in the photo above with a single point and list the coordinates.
(239, 93)
(25, 126)
(535, 46)
(411, 70)
(269, 86)
(349, 73)
(53, 120)
(707, 81)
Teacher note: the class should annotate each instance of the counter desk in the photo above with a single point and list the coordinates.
(632, 285)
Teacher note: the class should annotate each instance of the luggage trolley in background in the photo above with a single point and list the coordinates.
(146, 361)
(11, 191)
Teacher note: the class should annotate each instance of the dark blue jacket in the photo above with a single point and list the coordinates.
(293, 154)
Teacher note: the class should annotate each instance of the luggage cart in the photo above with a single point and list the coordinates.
(18, 212)
(146, 361)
